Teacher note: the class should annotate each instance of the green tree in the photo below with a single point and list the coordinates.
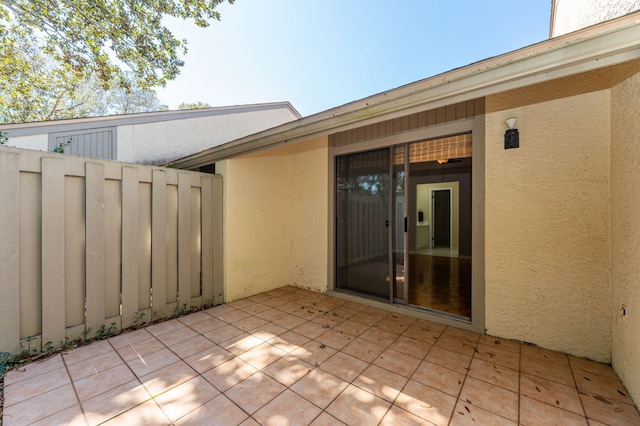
(103, 38)
(194, 105)
(34, 87)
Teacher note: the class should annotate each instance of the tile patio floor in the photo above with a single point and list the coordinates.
(293, 357)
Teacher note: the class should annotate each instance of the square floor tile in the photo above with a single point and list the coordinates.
(144, 414)
(229, 373)
(504, 344)
(220, 408)
(208, 325)
(91, 366)
(165, 378)
(112, 403)
(71, 416)
(455, 344)
(609, 411)
(426, 402)
(441, 378)
(335, 338)
(223, 334)
(397, 362)
(381, 382)
(544, 354)
(344, 366)
(84, 353)
(498, 356)
(208, 358)
(191, 346)
(355, 406)
(289, 341)
(592, 367)
(491, 398)
(29, 371)
(364, 350)
(186, 397)
(534, 413)
(40, 406)
(319, 387)
(288, 408)
(379, 336)
(103, 381)
(409, 346)
(144, 365)
(325, 419)
(26, 389)
(140, 348)
(467, 414)
(314, 353)
(551, 393)
(547, 369)
(604, 386)
(262, 355)
(495, 374)
(449, 359)
(288, 369)
(254, 392)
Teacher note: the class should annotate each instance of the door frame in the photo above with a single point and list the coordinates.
(475, 125)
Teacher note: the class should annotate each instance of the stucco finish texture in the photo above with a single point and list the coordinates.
(276, 207)
(547, 221)
(625, 235)
(572, 15)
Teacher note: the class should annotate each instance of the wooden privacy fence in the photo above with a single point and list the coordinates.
(87, 245)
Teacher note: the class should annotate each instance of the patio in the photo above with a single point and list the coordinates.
(294, 357)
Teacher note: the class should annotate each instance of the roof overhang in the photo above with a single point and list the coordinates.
(600, 46)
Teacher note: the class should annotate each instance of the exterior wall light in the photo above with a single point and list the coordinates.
(511, 136)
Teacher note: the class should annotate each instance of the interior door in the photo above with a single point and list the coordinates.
(441, 221)
(362, 223)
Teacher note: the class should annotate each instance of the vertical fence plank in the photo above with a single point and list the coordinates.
(113, 248)
(53, 272)
(9, 253)
(196, 246)
(95, 247)
(159, 244)
(184, 243)
(130, 233)
(206, 185)
(218, 241)
(172, 246)
(30, 254)
(74, 256)
(144, 248)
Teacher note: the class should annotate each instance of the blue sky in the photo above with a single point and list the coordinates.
(322, 54)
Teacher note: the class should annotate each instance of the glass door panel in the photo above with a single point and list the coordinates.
(362, 223)
(399, 231)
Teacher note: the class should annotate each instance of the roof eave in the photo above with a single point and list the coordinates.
(593, 48)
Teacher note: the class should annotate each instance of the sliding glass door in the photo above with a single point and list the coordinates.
(363, 220)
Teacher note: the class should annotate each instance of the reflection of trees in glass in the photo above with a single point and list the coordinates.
(370, 184)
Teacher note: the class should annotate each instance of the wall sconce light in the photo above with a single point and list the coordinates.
(511, 136)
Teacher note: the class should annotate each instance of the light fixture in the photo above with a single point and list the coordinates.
(442, 161)
(511, 136)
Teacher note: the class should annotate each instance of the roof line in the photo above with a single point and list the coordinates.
(39, 127)
(565, 55)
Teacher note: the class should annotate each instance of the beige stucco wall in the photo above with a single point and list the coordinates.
(547, 217)
(276, 225)
(572, 15)
(625, 233)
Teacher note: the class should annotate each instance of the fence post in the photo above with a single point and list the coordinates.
(9, 252)
(95, 257)
(53, 263)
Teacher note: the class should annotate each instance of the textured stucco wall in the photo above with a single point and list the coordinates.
(161, 142)
(547, 218)
(572, 15)
(309, 224)
(625, 233)
(276, 224)
(37, 142)
(256, 224)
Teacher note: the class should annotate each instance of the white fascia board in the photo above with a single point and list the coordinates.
(553, 59)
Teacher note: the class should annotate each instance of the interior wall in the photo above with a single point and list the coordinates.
(625, 232)
(547, 218)
(423, 202)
